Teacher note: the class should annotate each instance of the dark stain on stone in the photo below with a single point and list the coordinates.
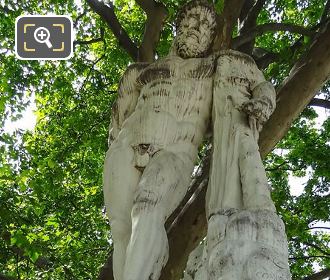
(151, 74)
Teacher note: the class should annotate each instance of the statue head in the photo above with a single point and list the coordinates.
(195, 27)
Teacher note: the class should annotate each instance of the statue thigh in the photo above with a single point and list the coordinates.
(120, 182)
(164, 182)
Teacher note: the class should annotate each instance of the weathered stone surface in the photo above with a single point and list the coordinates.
(162, 114)
(254, 247)
(196, 265)
(242, 101)
(242, 245)
(245, 238)
(159, 122)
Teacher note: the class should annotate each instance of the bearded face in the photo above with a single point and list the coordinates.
(195, 33)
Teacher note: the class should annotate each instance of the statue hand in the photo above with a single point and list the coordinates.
(257, 111)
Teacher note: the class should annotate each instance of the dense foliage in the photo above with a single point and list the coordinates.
(52, 222)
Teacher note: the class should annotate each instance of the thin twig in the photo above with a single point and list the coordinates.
(327, 228)
(320, 103)
(308, 257)
(90, 71)
(75, 23)
(88, 42)
(317, 248)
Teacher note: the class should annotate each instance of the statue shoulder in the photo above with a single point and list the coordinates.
(133, 71)
(232, 54)
(159, 69)
(238, 66)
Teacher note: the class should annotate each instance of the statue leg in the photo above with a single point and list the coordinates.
(163, 185)
(255, 188)
(119, 184)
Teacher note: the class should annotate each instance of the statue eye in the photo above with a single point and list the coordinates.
(205, 22)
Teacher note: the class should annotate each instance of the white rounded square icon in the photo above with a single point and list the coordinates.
(40, 37)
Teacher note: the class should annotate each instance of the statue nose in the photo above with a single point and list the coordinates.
(193, 23)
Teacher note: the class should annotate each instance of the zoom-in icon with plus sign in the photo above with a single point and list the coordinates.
(43, 37)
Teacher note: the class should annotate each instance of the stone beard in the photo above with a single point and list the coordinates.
(193, 32)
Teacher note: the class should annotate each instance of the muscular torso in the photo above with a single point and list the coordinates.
(174, 104)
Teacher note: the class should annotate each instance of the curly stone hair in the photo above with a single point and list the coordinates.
(193, 4)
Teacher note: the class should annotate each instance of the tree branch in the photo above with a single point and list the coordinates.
(92, 41)
(88, 42)
(156, 15)
(252, 16)
(316, 247)
(249, 23)
(75, 23)
(277, 167)
(328, 228)
(269, 27)
(226, 23)
(263, 62)
(7, 11)
(90, 71)
(108, 15)
(305, 79)
(246, 9)
(320, 103)
(319, 276)
(326, 11)
(308, 257)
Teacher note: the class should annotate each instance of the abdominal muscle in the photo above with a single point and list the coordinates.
(158, 127)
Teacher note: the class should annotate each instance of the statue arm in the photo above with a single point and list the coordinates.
(262, 103)
(128, 94)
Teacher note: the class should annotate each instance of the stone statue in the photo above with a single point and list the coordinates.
(163, 111)
(161, 116)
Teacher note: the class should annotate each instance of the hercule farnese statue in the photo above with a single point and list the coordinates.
(161, 116)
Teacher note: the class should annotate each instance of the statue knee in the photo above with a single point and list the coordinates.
(120, 229)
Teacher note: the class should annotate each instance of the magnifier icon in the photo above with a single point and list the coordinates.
(41, 35)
